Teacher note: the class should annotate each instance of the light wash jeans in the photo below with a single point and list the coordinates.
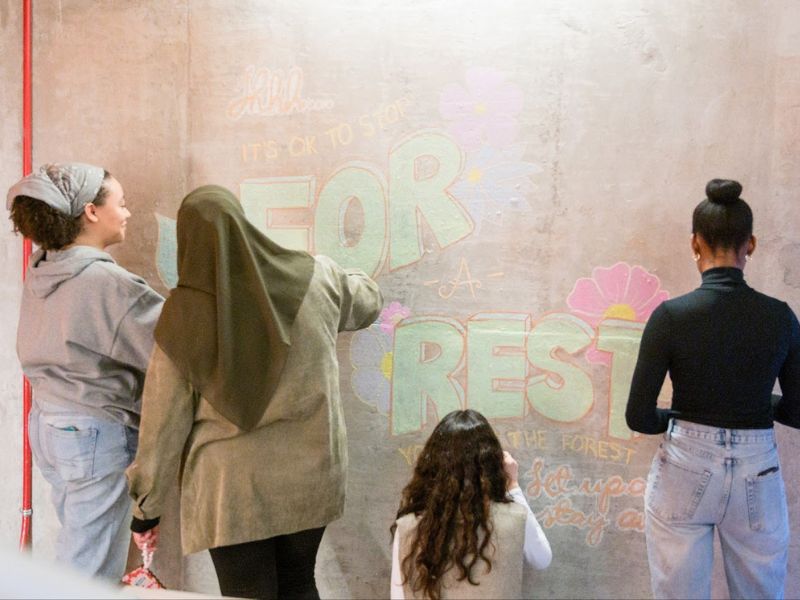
(84, 458)
(704, 477)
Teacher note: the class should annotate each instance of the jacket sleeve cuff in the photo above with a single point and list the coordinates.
(143, 525)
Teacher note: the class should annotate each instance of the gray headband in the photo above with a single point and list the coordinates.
(67, 187)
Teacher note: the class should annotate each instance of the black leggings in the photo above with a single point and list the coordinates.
(278, 567)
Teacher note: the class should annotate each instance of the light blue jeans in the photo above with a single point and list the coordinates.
(84, 458)
(704, 477)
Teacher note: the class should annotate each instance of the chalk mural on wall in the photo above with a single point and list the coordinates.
(618, 292)
(507, 364)
(489, 165)
(382, 118)
(513, 364)
(394, 206)
(493, 179)
(372, 357)
(462, 280)
(268, 92)
(484, 111)
(450, 179)
(585, 504)
(482, 116)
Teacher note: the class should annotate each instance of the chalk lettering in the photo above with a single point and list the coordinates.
(601, 449)
(265, 92)
(564, 513)
(411, 453)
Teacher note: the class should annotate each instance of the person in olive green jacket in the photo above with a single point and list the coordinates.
(242, 400)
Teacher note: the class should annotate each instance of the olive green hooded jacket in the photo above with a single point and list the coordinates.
(284, 475)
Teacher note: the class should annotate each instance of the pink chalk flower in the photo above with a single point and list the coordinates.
(484, 111)
(392, 315)
(618, 292)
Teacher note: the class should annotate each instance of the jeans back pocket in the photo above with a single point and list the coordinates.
(673, 490)
(766, 501)
(71, 451)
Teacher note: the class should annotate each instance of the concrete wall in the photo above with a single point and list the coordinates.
(554, 150)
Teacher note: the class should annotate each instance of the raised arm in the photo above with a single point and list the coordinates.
(360, 301)
(396, 589)
(537, 549)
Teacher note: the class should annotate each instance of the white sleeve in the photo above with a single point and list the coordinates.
(537, 549)
(396, 592)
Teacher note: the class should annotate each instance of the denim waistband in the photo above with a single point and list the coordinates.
(723, 436)
(80, 412)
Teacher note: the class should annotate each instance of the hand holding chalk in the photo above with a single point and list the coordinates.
(511, 468)
(148, 539)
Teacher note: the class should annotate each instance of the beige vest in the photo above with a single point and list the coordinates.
(505, 578)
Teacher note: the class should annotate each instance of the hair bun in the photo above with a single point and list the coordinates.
(723, 191)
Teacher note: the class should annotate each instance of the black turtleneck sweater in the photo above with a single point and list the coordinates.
(724, 345)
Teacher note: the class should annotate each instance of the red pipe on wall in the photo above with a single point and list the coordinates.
(26, 531)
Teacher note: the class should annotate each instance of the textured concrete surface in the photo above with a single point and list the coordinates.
(579, 136)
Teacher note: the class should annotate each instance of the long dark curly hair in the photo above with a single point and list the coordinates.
(458, 474)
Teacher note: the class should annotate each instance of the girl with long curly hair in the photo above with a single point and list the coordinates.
(464, 527)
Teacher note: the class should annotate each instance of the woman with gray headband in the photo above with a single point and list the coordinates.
(84, 339)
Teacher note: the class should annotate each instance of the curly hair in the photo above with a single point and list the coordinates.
(458, 474)
(49, 227)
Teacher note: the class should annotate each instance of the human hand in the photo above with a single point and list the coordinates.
(147, 541)
(511, 468)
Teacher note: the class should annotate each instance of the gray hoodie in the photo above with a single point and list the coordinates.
(85, 333)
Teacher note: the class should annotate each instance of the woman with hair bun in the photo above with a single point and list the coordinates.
(464, 527)
(724, 345)
(84, 339)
